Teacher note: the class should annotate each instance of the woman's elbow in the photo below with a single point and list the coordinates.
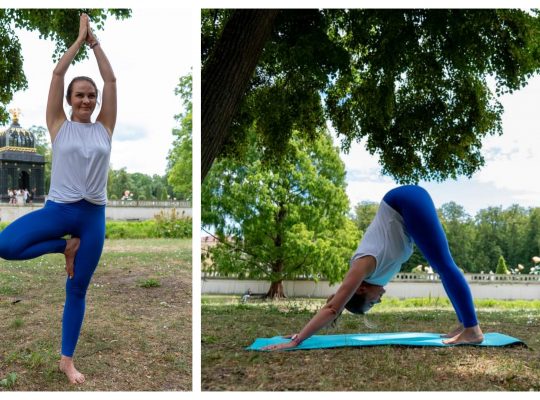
(58, 73)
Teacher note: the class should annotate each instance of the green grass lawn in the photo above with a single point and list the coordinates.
(228, 327)
(137, 331)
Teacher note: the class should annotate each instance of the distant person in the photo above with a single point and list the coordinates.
(15, 194)
(246, 296)
(11, 195)
(406, 215)
(77, 194)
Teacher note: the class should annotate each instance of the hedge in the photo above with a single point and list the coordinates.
(160, 227)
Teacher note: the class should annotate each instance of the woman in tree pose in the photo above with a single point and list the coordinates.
(406, 214)
(77, 195)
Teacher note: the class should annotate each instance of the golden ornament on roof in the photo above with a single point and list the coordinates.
(15, 114)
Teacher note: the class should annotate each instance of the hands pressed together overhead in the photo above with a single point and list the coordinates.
(85, 31)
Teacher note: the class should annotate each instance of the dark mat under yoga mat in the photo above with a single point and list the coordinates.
(381, 339)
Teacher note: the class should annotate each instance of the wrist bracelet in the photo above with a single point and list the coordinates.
(94, 44)
(294, 338)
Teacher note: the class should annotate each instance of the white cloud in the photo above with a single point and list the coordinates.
(129, 132)
(514, 158)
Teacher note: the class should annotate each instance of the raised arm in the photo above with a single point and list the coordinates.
(357, 273)
(55, 115)
(107, 115)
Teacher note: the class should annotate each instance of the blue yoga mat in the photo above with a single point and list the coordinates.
(380, 339)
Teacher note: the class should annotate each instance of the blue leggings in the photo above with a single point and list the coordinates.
(414, 204)
(40, 232)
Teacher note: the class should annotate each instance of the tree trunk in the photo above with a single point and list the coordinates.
(276, 288)
(276, 291)
(226, 75)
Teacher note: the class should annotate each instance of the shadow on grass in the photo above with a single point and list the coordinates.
(228, 328)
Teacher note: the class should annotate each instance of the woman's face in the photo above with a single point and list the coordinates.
(372, 293)
(83, 101)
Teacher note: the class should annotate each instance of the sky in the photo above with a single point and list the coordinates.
(149, 52)
(152, 49)
(510, 174)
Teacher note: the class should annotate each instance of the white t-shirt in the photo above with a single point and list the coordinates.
(387, 241)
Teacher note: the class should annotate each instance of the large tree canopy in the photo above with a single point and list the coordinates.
(59, 25)
(413, 83)
(284, 221)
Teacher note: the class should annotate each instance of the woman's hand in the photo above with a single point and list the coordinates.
(90, 37)
(55, 114)
(282, 346)
(83, 28)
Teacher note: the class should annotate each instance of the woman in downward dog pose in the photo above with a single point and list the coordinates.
(406, 215)
(77, 195)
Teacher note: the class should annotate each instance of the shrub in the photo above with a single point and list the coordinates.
(164, 226)
(501, 267)
(130, 229)
(171, 225)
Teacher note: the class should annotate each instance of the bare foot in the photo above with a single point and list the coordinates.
(472, 335)
(455, 332)
(72, 246)
(68, 368)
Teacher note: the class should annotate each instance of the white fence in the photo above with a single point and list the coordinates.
(149, 203)
(116, 210)
(404, 285)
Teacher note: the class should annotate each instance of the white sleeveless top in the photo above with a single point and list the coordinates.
(80, 163)
(387, 241)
